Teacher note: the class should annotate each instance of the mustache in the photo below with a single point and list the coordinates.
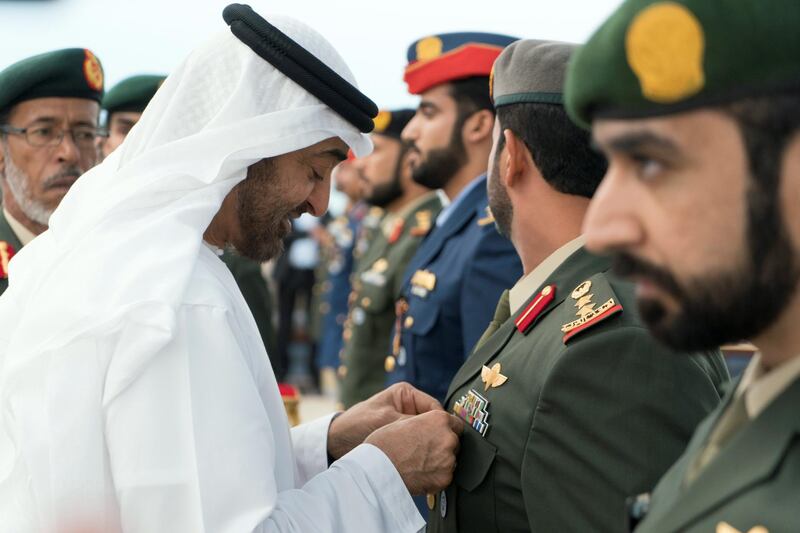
(66, 177)
(626, 265)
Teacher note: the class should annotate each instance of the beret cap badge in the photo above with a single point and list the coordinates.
(429, 48)
(93, 71)
(664, 46)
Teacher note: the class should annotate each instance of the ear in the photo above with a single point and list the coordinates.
(516, 159)
(2, 158)
(478, 127)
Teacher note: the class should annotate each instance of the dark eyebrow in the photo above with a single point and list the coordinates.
(53, 120)
(426, 105)
(126, 122)
(337, 154)
(637, 141)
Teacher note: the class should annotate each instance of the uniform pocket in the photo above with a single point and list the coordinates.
(474, 460)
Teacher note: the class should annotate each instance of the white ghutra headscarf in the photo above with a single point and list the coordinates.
(123, 244)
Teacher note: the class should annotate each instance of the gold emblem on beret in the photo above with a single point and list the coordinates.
(382, 121)
(429, 48)
(665, 44)
(92, 71)
(491, 83)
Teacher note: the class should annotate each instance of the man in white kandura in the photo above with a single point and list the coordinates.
(135, 392)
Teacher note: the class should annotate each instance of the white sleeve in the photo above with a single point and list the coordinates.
(310, 443)
(194, 447)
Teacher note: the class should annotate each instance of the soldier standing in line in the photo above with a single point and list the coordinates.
(49, 111)
(571, 405)
(458, 273)
(409, 209)
(337, 242)
(695, 104)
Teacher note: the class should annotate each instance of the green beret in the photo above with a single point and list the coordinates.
(654, 58)
(70, 73)
(132, 94)
(530, 71)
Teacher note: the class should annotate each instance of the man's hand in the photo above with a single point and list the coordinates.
(401, 400)
(422, 448)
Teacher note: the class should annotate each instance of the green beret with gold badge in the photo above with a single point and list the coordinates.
(391, 122)
(69, 73)
(655, 57)
(132, 94)
(530, 71)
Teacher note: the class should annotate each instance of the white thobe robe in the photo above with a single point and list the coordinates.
(197, 441)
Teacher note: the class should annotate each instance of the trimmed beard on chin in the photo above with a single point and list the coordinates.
(441, 164)
(719, 308)
(17, 182)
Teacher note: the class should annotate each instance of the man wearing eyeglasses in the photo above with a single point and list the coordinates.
(49, 107)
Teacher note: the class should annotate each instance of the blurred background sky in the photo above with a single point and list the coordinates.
(153, 36)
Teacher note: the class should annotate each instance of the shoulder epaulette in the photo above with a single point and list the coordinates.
(593, 301)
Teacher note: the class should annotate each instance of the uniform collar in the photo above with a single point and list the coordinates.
(520, 293)
(23, 234)
(449, 209)
(761, 386)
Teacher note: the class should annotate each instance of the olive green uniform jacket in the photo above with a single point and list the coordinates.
(9, 245)
(584, 419)
(377, 280)
(754, 481)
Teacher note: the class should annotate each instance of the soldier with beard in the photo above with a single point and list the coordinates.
(696, 106)
(49, 107)
(456, 277)
(572, 405)
(410, 210)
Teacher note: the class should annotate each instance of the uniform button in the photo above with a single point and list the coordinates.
(431, 501)
(389, 363)
(409, 322)
(342, 371)
(365, 301)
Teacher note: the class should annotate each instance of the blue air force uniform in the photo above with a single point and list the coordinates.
(449, 292)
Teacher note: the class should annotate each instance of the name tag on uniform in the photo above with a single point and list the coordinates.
(473, 409)
(422, 282)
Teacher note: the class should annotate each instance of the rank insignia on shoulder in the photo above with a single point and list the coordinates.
(488, 219)
(724, 527)
(397, 230)
(6, 253)
(587, 311)
(424, 224)
(472, 408)
(526, 319)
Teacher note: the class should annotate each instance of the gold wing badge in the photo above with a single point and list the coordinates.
(491, 377)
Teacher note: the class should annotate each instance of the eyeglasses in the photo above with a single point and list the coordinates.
(84, 137)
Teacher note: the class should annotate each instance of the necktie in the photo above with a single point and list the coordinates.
(501, 313)
(731, 422)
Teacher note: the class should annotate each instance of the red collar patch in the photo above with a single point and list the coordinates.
(6, 253)
(535, 308)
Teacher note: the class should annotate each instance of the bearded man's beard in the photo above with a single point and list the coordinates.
(264, 219)
(19, 186)
(441, 164)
